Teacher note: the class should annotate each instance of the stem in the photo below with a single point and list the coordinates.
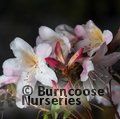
(2, 115)
(38, 114)
(111, 101)
(89, 114)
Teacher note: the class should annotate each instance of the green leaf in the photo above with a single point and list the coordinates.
(55, 108)
(45, 116)
(66, 115)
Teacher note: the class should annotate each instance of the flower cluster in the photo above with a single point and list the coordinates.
(76, 56)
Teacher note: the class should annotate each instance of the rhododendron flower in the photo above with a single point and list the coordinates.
(47, 35)
(91, 37)
(77, 57)
(28, 67)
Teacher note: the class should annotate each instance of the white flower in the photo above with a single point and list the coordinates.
(49, 36)
(28, 67)
(92, 37)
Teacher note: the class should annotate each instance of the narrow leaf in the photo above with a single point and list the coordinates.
(53, 62)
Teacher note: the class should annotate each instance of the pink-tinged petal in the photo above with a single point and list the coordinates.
(53, 62)
(108, 36)
(87, 67)
(11, 67)
(43, 50)
(68, 86)
(54, 85)
(75, 57)
(4, 80)
(46, 33)
(84, 75)
(59, 53)
(80, 31)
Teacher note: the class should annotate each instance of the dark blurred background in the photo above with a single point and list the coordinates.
(23, 18)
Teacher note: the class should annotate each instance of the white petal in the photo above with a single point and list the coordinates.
(84, 75)
(24, 80)
(65, 44)
(43, 50)
(38, 40)
(45, 75)
(24, 52)
(108, 36)
(80, 31)
(51, 37)
(66, 41)
(90, 24)
(20, 47)
(88, 64)
(11, 67)
(46, 33)
(4, 80)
